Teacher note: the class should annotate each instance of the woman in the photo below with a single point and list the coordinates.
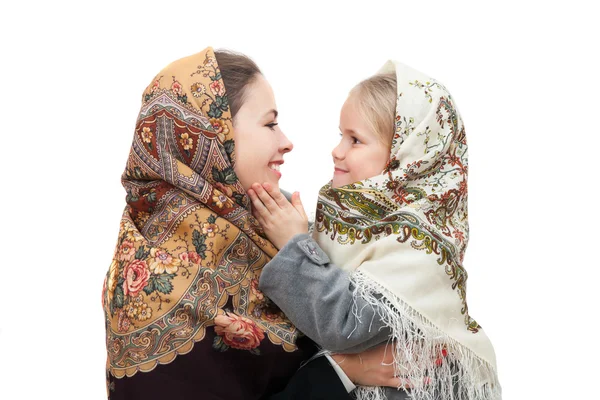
(184, 315)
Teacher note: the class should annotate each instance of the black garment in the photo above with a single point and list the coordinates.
(315, 381)
(239, 375)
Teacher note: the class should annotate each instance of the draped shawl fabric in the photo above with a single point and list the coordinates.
(189, 254)
(403, 235)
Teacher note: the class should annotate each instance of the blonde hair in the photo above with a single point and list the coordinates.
(377, 104)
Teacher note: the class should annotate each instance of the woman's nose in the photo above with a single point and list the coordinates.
(285, 145)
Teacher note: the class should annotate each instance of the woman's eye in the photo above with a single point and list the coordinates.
(272, 125)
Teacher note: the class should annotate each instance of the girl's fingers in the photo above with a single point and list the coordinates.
(258, 208)
(297, 203)
(279, 198)
(256, 215)
(265, 197)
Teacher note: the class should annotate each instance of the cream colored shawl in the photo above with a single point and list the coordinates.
(403, 234)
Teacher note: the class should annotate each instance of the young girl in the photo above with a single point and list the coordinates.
(385, 259)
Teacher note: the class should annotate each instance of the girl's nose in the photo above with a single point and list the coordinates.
(337, 152)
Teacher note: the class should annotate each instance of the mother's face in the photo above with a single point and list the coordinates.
(259, 143)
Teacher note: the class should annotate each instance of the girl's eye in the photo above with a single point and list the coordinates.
(355, 140)
(272, 125)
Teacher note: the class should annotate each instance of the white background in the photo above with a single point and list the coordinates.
(525, 78)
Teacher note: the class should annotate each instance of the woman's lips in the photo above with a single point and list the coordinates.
(275, 172)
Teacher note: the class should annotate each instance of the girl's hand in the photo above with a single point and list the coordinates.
(375, 367)
(280, 219)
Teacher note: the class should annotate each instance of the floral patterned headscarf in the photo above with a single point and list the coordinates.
(402, 235)
(189, 253)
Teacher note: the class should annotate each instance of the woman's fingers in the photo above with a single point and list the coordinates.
(279, 198)
(258, 208)
(401, 382)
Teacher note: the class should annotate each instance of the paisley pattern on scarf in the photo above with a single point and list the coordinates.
(423, 200)
(187, 243)
(402, 236)
(349, 227)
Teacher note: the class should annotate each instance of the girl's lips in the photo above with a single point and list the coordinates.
(338, 171)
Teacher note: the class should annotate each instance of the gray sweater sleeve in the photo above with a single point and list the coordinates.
(317, 297)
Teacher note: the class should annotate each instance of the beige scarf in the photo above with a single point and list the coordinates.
(189, 254)
(403, 235)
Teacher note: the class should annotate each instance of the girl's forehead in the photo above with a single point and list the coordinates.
(352, 120)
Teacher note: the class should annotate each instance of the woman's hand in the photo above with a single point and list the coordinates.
(280, 219)
(375, 367)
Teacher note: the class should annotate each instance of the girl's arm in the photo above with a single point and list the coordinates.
(317, 297)
(314, 294)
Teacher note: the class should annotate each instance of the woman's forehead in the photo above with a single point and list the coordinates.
(260, 100)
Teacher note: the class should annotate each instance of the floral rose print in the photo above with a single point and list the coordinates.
(176, 87)
(217, 88)
(112, 279)
(190, 256)
(220, 128)
(144, 312)
(210, 230)
(198, 89)
(224, 189)
(146, 134)
(163, 262)
(155, 86)
(186, 141)
(136, 277)
(123, 322)
(126, 251)
(221, 200)
(254, 287)
(210, 61)
(238, 332)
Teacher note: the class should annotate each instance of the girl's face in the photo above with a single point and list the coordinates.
(361, 153)
(259, 143)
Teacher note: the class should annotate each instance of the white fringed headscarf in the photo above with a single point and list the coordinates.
(403, 234)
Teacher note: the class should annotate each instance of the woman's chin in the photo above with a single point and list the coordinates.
(274, 183)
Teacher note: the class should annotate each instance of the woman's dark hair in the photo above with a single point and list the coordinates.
(238, 72)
